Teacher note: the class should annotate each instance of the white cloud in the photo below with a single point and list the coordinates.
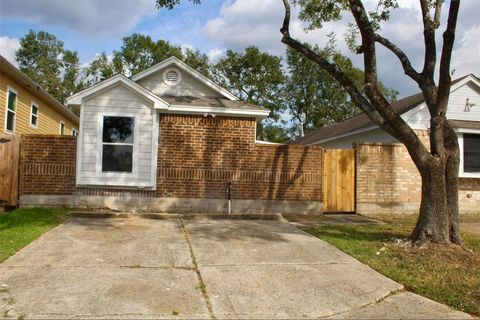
(87, 16)
(215, 53)
(466, 57)
(251, 22)
(8, 46)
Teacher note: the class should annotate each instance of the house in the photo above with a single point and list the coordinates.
(168, 139)
(26, 108)
(463, 114)
(386, 179)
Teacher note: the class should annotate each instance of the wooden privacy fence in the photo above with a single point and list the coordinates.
(339, 180)
(9, 163)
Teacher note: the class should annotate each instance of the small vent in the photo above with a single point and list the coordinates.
(172, 77)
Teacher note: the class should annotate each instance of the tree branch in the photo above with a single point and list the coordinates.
(429, 40)
(407, 66)
(445, 60)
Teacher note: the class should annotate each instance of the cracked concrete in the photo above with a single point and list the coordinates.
(138, 268)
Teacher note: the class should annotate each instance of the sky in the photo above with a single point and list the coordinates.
(93, 26)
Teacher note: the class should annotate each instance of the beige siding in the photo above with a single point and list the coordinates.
(189, 86)
(48, 119)
(118, 100)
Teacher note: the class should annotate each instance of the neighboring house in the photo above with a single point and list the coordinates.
(463, 113)
(26, 108)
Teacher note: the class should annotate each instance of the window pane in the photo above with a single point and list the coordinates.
(118, 129)
(35, 110)
(33, 121)
(62, 128)
(117, 158)
(10, 120)
(12, 100)
(471, 153)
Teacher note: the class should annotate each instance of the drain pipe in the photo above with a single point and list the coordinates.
(229, 196)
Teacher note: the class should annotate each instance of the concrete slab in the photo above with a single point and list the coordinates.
(118, 242)
(226, 242)
(292, 291)
(134, 268)
(403, 305)
(98, 292)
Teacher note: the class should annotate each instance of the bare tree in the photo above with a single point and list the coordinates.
(438, 164)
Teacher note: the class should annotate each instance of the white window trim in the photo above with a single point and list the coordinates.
(60, 128)
(34, 104)
(6, 111)
(136, 132)
(462, 173)
(74, 132)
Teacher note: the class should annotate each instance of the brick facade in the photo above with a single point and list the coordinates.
(47, 164)
(388, 181)
(197, 156)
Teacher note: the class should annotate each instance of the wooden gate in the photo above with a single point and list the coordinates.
(9, 162)
(339, 180)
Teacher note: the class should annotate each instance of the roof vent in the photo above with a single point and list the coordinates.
(172, 77)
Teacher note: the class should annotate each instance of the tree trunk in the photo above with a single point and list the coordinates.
(433, 221)
(438, 219)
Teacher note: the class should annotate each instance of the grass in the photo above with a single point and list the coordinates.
(20, 227)
(449, 275)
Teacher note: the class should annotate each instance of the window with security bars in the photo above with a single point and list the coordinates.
(471, 153)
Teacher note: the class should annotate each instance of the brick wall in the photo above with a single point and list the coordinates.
(196, 158)
(198, 155)
(47, 164)
(388, 182)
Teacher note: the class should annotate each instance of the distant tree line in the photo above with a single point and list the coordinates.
(300, 96)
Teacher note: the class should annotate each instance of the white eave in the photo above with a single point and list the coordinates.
(79, 97)
(183, 109)
(194, 73)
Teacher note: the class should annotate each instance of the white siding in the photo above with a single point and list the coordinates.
(118, 100)
(189, 86)
(456, 103)
(418, 118)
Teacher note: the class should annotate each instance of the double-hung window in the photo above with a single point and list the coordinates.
(471, 153)
(11, 111)
(62, 128)
(34, 116)
(117, 144)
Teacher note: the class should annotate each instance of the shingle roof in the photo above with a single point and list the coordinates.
(211, 102)
(361, 121)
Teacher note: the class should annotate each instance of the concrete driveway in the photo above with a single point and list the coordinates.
(138, 268)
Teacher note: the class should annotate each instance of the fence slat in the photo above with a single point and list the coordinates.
(339, 180)
(9, 162)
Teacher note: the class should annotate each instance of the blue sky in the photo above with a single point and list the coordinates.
(93, 26)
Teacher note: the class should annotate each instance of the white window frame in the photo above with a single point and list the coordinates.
(60, 128)
(8, 110)
(74, 132)
(136, 131)
(462, 173)
(34, 104)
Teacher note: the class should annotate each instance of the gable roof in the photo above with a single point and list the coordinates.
(194, 73)
(77, 98)
(31, 86)
(362, 123)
